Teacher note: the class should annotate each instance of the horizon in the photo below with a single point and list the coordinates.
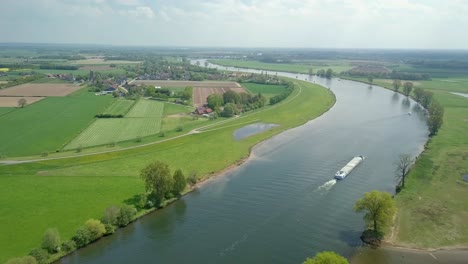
(334, 24)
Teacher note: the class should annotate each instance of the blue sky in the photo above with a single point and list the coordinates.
(427, 24)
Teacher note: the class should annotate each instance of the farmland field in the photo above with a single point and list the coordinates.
(146, 108)
(119, 107)
(48, 124)
(216, 84)
(6, 110)
(171, 109)
(40, 89)
(110, 130)
(143, 119)
(266, 90)
(13, 101)
(200, 94)
(96, 68)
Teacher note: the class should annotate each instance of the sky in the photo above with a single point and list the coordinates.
(399, 24)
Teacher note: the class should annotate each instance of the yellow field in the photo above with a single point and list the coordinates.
(4, 69)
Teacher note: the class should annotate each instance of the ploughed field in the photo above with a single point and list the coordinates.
(40, 89)
(9, 101)
(201, 93)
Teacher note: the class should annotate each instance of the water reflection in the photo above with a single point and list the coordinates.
(406, 103)
(395, 98)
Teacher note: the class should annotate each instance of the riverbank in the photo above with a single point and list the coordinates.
(87, 180)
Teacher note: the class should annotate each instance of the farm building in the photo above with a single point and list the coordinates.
(203, 110)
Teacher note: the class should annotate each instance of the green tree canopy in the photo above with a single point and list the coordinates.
(326, 257)
(396, 85)
(436, 117)
(158, 180)
(379, 208)
(126, 215)
(407, 87)
(179, 182)
(231, 97)
(214, 101)
(96, 228)
(329, 73)
(51, 240)
(229, 110)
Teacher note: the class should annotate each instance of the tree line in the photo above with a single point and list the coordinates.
(233, 103)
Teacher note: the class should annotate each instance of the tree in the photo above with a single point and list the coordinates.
(82, 237)
(158, 180)
(179, 182)
(418, 94)
(231, 97)
(326, 257)
(370, 78)
(436, 118)
(214, 101)
(126, 215)
(229, 110)
(51, 240)
(379, 208)
(111, 215)
(206, 63)
(22, 102)
(407, 87)
(403, 165)
(426, 99)
(96, 229)
(329, 73)
(311, 71)
(22, 260)
(396, 85)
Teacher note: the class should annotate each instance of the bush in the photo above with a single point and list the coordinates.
(179, 128)
(192, 178)
(51, 240)
(138, 139)
(111, 215)
(110, 229)
(22, 260)
(162, 134)
(68, 246)
(40, 255)
(95, 228)
(127, 215)
(44, 154)
(142, 202)
(82, 237)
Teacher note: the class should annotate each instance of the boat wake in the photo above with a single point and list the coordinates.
(327, 186)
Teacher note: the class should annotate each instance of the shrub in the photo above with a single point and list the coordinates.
(68, 246)
(40, 255)
(138, 139)
(44, 154)
(179, 128)
(79, 148)
(162, 134)
(127, 215)
(111, 215)
(179, 182)
(142, 202)
(95, 228)
(51, 240)
(192, 178)
(82, 237)
(110, 229)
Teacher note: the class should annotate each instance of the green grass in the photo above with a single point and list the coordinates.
(48, 124)
(266, 90)
(111, 130)
(6, 110)
(146, 108)
(90, 195)
(433, 207)
(31, 204)
(49, 80)
(119, 107)
(171, 109)
(299, 67)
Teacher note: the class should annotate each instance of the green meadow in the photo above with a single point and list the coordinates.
(119, 107)
(49, 124)
(266, 90)
(94, 182)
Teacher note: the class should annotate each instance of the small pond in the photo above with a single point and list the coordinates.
(252, 129)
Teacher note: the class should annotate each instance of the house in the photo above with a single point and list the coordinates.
(203, 110)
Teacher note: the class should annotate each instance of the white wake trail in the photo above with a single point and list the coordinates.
(326, 186)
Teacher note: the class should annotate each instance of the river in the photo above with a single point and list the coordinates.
(280, 206)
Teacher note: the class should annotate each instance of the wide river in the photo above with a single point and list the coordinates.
(280, 206)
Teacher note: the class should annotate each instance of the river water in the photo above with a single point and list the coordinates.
(282, 204)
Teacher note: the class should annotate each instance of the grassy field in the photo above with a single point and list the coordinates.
(171, 109)
(48, 124)
(265, 89)
(143, 119)
(30, 204)
(119, 107)
(6, 110)
(146, 108)
(110, 130)
(433, 208)
(186, 153)
(300, 67)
